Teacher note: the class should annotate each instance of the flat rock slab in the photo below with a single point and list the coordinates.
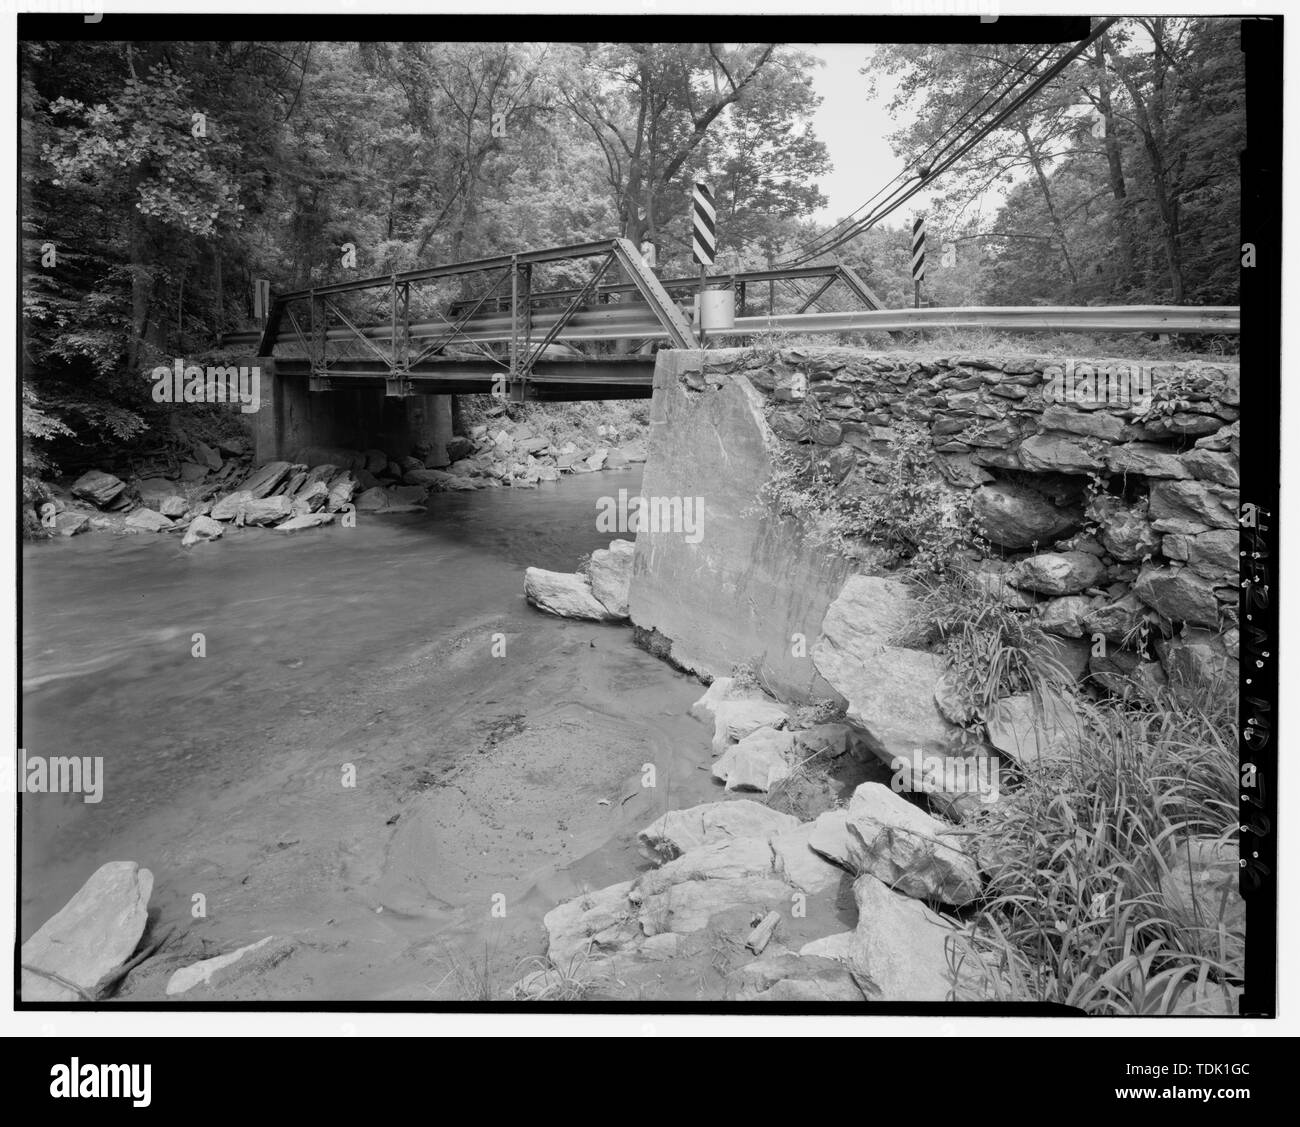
(201, 973)
(304, 520)
(263, 481)
(68, 523)
(796, 978)
(97, 487)
(680, 831)
(147, 520)
(93, 933)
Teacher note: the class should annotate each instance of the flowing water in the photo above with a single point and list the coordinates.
(384, 755)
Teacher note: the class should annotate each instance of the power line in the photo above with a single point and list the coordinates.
(812, 248)
(892, 204)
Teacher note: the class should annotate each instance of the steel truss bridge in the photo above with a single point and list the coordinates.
(583, 321)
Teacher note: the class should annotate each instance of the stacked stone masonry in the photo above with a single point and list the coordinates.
(1106, 489)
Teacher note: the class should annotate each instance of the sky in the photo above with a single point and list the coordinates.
(855, 129)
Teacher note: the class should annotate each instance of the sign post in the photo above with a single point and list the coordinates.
(704, 240)
(918, 257)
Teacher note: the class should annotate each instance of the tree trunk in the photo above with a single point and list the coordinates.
(1127, 272)
(1036, 160)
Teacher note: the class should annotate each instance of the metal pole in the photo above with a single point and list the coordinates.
(703, 341)
(514, 318)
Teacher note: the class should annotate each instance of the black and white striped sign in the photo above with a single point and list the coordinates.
(918, 248)
(705, 236)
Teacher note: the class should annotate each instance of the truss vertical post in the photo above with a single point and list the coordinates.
(514, 317)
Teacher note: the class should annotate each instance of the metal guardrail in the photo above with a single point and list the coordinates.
(1028, 319)
(626, 321)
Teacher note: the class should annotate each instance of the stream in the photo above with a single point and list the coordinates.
(384, 755)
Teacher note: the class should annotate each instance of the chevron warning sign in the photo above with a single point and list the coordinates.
(918, 248)
(705, 236)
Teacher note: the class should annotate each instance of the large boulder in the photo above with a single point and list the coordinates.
(889, 689)
(564, 594)
(900, 947)
(1057, 573)
(680, 831)
(611, 575)
(881, 833)
(1013, 516)
(97, 487)
(92, 934)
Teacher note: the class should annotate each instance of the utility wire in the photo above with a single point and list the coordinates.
(900, 195)
(1014, 71)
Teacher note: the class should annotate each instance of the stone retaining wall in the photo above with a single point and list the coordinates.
(1107, 492)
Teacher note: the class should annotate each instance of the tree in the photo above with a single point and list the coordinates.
(653, 110)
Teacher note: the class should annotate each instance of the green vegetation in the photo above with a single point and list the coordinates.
(903, 509)
(1079, 907)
